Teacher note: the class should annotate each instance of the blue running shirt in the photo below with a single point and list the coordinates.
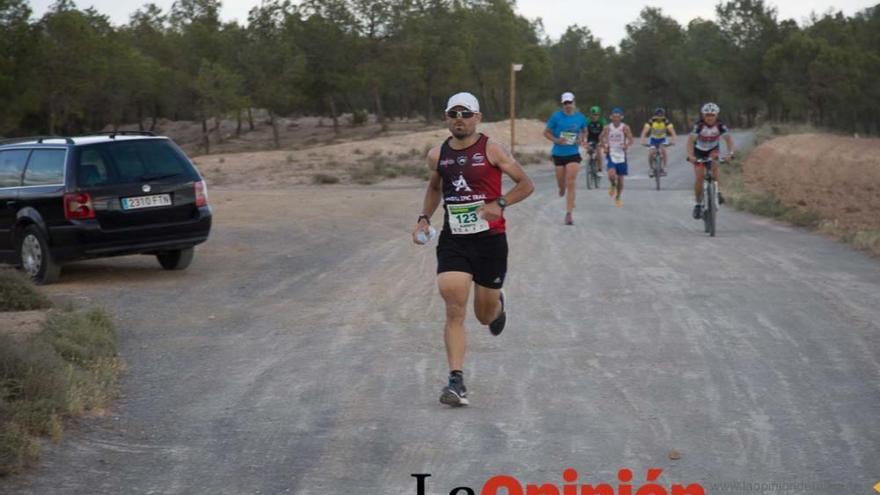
(568, 126)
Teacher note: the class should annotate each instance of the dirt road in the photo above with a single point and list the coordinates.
(302, 353)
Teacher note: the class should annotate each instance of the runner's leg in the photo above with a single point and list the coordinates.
(571, 172)
(612, 179)
(455, 288)
(487, 303)
(560, 178)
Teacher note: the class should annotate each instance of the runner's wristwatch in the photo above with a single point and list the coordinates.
(426, 217)
(501, 202)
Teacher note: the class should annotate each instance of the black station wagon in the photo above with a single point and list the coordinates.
(65, 199)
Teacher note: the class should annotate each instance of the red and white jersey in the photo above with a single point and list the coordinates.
(708, 137)
(469, 178)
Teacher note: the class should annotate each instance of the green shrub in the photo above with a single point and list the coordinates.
(359, 117)
(69, 368)
(324, 179)
(17, 293)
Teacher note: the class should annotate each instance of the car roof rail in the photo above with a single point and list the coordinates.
(113, 134)
(38, 139)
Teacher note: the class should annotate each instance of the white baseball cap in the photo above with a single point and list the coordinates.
(567, 96)
(466, 100)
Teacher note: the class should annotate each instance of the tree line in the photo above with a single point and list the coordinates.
(72, 71)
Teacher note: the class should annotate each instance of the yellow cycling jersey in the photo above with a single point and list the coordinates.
(658, 127)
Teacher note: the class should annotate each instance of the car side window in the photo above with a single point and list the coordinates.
(46, 167)
(11, 167)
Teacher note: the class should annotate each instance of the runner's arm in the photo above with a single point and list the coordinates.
(549, 135)
(501, 158)
(433, 194)
(628, 137)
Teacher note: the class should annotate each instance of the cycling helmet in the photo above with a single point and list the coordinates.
(659, 111)
(595, 110)
(710, 108)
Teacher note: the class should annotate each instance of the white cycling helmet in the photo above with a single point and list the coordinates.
(710, 108)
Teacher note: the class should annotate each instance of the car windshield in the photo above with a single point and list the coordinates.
(135, 161)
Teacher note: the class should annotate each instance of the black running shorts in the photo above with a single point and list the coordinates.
(561, 161)
(484, 257)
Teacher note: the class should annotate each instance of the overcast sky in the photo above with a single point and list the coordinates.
(607, 20)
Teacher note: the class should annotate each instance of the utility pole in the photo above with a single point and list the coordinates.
(514, 68)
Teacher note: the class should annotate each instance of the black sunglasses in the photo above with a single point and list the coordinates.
(567, 102)
(459, 114)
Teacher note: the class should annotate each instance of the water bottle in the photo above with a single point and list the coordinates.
(424, 238)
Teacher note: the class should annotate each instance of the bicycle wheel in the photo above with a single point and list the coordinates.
(711, 210)
(657, 160)
(589, 174)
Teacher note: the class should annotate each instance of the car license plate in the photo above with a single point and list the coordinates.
(146, 201)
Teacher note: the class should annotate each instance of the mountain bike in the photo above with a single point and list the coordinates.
(657, 161)
(592, 168)
(709, 203)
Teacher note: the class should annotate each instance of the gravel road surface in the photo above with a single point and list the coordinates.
(302, 353)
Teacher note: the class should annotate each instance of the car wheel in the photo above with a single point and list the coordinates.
(34, 256)
(178, 259)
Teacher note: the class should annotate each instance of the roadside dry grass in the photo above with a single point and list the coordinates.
(68, 369)
(379, 166)
(743, 198)
(17, 294)
(770, 130)
(804, 190)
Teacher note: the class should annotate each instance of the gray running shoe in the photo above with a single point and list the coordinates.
(454, 394)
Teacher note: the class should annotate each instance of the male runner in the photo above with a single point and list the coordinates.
(662, 131)
(705, 142)
(616, 138)
(566, 129)
(594, 132)
(466, 173)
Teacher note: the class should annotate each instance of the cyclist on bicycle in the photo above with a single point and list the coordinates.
(662, 132)
(594, 131)
(705, 142)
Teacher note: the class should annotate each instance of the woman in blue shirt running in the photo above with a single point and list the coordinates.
(567, 128)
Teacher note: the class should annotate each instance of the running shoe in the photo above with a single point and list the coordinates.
(698, 212)
(454, 394)
(618, 202)
(651, 173)
(497, 325)
(663, 173)
(568, 219)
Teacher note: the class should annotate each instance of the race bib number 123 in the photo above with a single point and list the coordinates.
(463, 219)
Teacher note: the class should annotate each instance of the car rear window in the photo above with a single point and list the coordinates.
(11, 167)
(126, 162)
(46, 167)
